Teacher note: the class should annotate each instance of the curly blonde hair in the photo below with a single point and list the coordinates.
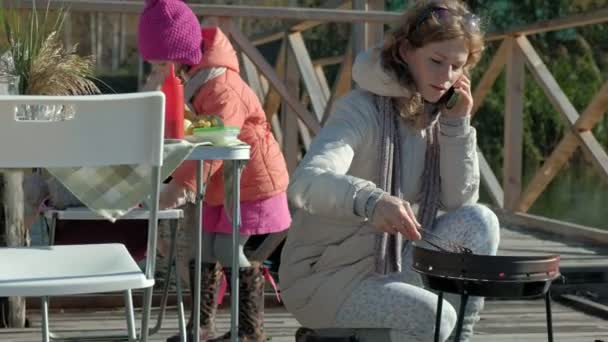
(418, 27)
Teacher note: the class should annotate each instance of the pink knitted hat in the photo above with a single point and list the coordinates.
(169, 31)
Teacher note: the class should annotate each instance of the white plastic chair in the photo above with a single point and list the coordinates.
(53, 216)
(105, 130)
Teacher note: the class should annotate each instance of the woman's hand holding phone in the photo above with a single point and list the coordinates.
(464, 104)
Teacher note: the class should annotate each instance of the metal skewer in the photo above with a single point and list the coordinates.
(452, 246)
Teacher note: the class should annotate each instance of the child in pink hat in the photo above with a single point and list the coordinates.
(169, 33)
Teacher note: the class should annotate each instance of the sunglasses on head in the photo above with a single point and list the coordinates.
(470, 21)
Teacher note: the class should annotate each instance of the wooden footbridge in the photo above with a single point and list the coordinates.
(298, 98)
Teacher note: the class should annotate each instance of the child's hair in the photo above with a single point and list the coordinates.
(182, 69)
(428, 21)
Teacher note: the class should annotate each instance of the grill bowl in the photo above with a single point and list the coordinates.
(486, 275)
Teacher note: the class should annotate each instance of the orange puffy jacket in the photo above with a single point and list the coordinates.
(229, 97)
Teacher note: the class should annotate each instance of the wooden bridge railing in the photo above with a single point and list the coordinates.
(297, 114)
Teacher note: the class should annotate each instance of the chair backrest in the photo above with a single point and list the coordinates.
(104, 130)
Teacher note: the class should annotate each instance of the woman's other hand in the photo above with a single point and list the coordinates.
(393, 215)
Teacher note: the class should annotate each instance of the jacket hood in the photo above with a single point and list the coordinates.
(217, 51)
(369, 74)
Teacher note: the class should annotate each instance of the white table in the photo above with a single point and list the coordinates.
(239, 154)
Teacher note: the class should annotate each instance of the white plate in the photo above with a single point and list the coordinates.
(213, 140)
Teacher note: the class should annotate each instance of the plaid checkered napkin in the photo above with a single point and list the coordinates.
(112, 191)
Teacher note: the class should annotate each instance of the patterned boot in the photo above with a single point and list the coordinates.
(210, 277)
(251, 304)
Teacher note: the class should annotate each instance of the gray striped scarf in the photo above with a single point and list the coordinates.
(389, 247)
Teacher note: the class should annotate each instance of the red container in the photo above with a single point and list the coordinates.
(174, 105)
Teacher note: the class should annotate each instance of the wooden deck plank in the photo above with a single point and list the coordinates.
(501, 321)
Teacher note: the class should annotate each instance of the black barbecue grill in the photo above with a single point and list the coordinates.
(506, 277)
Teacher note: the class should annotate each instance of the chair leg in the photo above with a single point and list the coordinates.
(438, 316)
(170, 263)
(145, 319)
(178, 283)
(52, 230)
(129, 313)
(549, 318)
(180, 307)
(130, 316)
(46, 337)
(463, 304)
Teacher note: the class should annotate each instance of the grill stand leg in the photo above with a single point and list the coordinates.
(438, 316)
(549, 319)
(463, 304)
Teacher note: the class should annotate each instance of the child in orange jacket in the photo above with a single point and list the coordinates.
(169, 32)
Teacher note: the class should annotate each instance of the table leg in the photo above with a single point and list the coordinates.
(196, 301)
(236, 227)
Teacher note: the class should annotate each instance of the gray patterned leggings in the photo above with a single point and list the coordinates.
(218, 247)
(398, 302)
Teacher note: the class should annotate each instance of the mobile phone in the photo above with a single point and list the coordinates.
(449, 99)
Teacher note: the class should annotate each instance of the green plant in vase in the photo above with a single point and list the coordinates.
(39, 58)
